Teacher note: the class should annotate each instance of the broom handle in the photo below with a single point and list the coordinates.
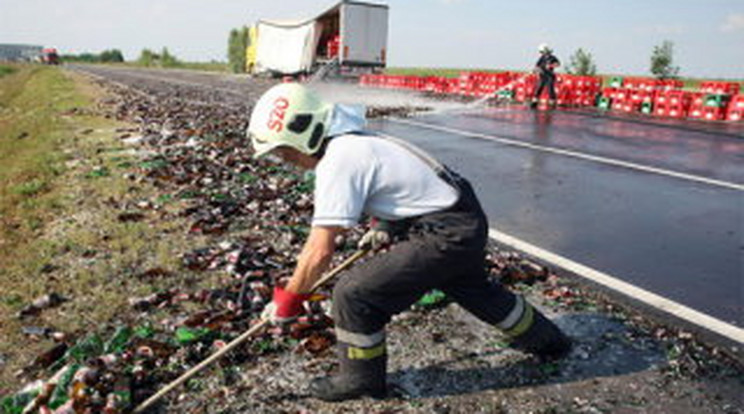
(237, 341)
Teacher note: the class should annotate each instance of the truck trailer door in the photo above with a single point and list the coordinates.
(364, 29)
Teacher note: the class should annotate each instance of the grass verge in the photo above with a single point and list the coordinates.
(6, 70)
(63, 190)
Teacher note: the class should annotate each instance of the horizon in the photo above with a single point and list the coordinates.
(444, 34)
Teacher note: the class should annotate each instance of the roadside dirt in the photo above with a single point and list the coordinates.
(189, 137)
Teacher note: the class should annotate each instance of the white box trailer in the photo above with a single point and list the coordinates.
(352, 33)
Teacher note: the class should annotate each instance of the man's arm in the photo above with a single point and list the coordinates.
(555, 62)
(314, 259)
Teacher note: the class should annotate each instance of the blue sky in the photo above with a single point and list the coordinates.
(708, 34)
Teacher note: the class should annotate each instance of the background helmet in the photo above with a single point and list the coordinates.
(543, 48)
(289, 114)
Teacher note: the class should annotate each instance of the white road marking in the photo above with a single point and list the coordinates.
(575, 154)
(681, 311)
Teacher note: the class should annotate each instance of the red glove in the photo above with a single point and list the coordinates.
(285, 306)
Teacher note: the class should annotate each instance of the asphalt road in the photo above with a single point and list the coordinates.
(658, 206)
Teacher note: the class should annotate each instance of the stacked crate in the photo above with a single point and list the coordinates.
(672, 103)
(714, 101)
(605, 99)
(564, 90)
(616, 82)
(620, 99)
(723, 88)
(332, 46)
(586, 90)
(710, 107)
(713, 104)
(735, 111)
(669, 85)
(480, 84)
(524, 88)
(645, 95)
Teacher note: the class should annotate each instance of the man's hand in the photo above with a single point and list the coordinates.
(374, 239)
(284, 307)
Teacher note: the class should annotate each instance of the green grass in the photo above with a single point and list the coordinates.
(58, 168)
(6, 70)
(30, 188)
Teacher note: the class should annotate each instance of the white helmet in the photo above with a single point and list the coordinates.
(289, 114)
(543, 48)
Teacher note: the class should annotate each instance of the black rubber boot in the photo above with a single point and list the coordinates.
(360, 376)
(543, 339)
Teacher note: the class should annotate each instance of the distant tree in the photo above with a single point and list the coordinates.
(89, 57)
(661, 61)
(148, 58)
(582, 63)
(113, 55)
(167, 60)
(237, 42)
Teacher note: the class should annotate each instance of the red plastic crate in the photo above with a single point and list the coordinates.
(631, 106)
(640, 96)
(676, 111)
(727, 88)
(713, 114)
(660, 109)
(735, 115)
(707, 113)
(668, 84)
(670, 110)
(643, 84)
(737, 102)
(332, 46)
(609, 92)
(673, 97)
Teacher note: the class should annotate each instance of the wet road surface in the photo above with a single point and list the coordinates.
(678, 238)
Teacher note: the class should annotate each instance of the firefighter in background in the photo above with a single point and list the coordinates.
(545, 69)
(431, 212)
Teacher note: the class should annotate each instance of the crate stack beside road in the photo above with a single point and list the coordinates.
(735, 111)
(712, 101)
(474, 84)
(572, 90)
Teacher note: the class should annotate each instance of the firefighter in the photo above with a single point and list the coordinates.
(413, 198)
(545, 69)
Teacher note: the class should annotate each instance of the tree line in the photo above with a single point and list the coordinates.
(164, 59)
(107, 56)
(662, 62)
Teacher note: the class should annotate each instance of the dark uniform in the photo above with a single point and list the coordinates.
(545, 66)
(442, 250)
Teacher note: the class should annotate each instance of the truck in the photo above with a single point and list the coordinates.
(351, 36)
(49, 56)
